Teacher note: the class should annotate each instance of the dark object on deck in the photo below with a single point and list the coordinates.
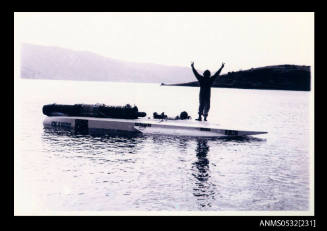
(90, 110)
(161, 116)
(184, 115)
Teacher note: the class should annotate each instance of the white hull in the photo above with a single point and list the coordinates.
(144, 126)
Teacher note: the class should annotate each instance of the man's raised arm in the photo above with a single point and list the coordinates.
(214, 77)
(197, 75)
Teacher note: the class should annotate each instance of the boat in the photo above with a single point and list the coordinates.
(96, 124)
(92, 125)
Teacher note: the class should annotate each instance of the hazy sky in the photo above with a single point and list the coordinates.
(241, 40)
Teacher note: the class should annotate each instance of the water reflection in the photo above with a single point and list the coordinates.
(241, 139)
(183, 144)
(161, 139)
(203, 189)
(99, 145)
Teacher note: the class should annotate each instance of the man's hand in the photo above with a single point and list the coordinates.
(222, 65)
(192, 64)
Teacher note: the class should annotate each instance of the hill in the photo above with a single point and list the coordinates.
(42, 62)
(279, 77)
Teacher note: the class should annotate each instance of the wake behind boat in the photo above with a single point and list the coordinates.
(93, 119)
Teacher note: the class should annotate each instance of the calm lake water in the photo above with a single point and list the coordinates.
(64, 172)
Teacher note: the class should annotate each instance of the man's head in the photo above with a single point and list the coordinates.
(206, 74)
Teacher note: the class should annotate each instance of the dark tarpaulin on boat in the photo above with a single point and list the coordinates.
(90, 110)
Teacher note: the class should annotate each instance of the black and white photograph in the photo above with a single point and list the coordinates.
(164, 113)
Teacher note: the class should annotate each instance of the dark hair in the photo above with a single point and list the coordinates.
(206, 73)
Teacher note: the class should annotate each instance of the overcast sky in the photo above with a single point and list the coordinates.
(241, 40)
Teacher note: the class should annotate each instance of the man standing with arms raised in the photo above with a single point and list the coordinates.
(205, 82)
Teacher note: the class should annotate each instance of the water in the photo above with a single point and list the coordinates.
(65, 172)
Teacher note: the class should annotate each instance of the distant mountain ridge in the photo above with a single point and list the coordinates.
(43, 62)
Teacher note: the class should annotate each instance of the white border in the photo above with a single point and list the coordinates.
(310, 212)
